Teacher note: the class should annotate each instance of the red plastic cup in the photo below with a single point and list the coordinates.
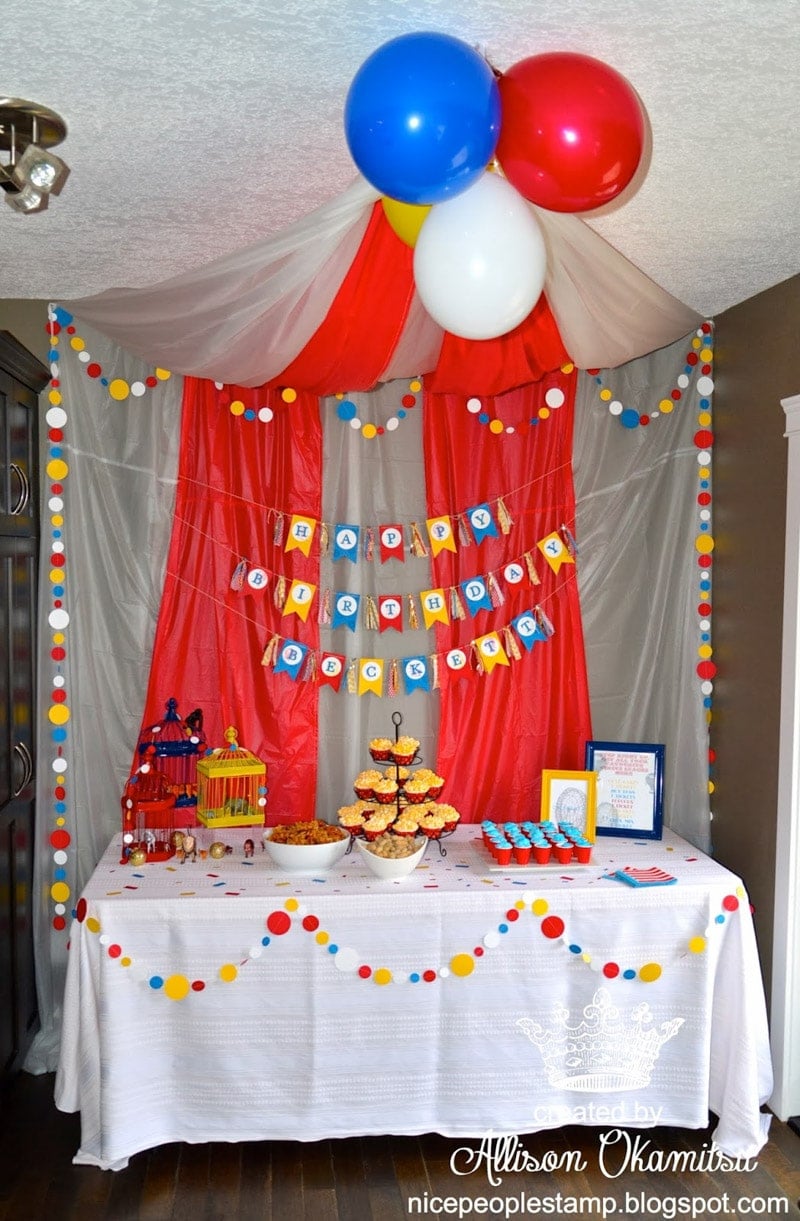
(583, 854)
(522, 855)
(563, 853)
(541, 855)
(503, 854)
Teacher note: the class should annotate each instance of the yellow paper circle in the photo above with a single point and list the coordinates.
(54, 397)
(650, 972)
(462, 964)
(704, 543)
(119, 389)
(56, 576)
(58, 714)
(291, 905)
(704, 419)
(406, 219)
(57, 469)
(496, 426)
(59, 893)
(539, 907)
(58, 637)
(543, 413)
(568, 367)
(706, 354)
(415, 386)
(605, 395)
(697, 945)
(237, 407)
(288, 395)
(228, 972)
(125, 962)
(76, 343)
(176, 987)
(666, 406)
(382, 976)
(322, 938)
(57, 520)
(369, 431)
(92, 923)
(163, 374)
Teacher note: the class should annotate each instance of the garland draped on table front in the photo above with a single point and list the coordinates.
(351, 962)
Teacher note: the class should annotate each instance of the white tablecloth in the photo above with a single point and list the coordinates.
(227, 1001)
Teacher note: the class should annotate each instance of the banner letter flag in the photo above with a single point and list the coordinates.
(528, 629)
(256, 581)
(457, 662)
(434, 606)
(416, 674)
(345, 610)
(390, 613)
(345, 543)
(331, 670)
(440, 532)
(299, 599)
(290, 658)
(491, 651)
(370, 675)
(515, 575)
(476, 595)
(555, 551)
(301, 532)
(239, 575)
(392, 543)
(482, 523)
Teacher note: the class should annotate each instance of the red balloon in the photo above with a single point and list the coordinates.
(572, 131)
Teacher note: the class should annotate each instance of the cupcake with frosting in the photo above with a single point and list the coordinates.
(416, 790)
(404, 749)
(365, 782)
(377, 823)
(406, 826)
(385, 790)
(450, 815)
(381, 748)
(432, 825)
(435, 786)
(351, 818)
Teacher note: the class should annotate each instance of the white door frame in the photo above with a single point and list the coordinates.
(785, 1012)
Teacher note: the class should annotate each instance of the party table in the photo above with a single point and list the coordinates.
(224, 1000)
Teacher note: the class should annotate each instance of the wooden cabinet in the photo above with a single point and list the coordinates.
(22, 377)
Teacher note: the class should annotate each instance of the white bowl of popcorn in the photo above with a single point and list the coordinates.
(392, 856)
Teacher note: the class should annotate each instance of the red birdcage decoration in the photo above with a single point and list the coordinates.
(177, 744)
(148, 814)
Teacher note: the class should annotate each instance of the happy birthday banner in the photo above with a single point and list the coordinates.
(383, 676)
(384, 612)
(394, 540)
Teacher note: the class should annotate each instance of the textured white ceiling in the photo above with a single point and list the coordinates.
(198, 128)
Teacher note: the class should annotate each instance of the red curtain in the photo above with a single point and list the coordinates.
(236, 474)
(355, 342)
(499, 729)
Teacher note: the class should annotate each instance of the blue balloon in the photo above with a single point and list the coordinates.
(422, 117)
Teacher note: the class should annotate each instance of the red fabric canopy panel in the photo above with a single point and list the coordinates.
(354, 344)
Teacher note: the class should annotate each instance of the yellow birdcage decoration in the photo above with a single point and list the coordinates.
(231, 786)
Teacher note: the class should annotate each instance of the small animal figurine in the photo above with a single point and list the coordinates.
(189, 847)
(249, 848)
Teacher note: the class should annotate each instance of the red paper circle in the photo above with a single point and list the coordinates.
(310, 923)
(278, 923)
(60, 838)
(730, 903)
(80, 911)
(552, 926)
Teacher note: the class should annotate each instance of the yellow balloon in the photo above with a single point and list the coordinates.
(406, 219)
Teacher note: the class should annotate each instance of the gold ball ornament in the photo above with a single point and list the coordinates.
(137, 857)
(217, 850)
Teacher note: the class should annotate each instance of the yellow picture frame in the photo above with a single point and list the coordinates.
(570, 797)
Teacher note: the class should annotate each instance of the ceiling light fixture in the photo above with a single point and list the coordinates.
(31, 173)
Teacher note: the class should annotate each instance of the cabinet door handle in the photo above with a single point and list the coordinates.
(24, 490)
(21, 750)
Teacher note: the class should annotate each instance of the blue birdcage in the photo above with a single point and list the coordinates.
(178, 743)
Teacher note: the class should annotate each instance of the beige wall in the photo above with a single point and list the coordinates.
(757, 364)
(27, 320)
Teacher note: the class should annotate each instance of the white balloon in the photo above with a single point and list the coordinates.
(480, 260)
